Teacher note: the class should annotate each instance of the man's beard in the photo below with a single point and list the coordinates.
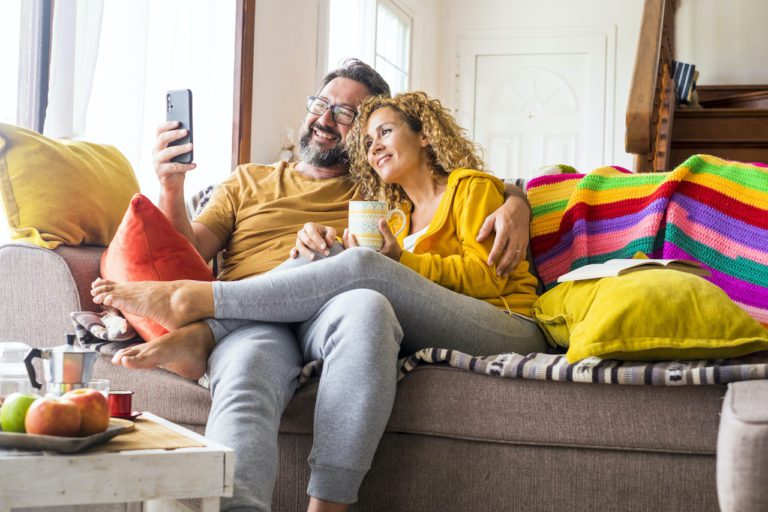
(313, 155)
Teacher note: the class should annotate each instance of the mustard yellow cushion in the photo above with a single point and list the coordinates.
(62, 191)
(649, 315)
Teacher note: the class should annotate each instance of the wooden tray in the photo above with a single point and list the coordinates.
(64, 444)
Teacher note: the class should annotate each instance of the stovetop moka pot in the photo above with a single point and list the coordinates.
(66, 367)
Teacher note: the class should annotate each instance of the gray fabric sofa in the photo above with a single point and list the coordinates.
(461, 441)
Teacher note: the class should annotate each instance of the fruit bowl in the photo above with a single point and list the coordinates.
(64, 444)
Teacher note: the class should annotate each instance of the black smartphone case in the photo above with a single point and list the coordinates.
(178, 107)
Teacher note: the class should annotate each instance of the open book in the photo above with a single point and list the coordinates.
(612, 268)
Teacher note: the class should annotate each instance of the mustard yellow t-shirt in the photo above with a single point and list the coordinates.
(259, 209)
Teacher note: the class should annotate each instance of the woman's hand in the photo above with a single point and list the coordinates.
(511, 222)
(390, 248)
(313, 238)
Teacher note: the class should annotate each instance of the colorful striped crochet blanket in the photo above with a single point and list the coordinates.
(707, 209)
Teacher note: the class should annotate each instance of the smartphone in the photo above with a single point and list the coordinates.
(178, 107)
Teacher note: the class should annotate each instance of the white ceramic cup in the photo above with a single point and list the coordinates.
(364, 222)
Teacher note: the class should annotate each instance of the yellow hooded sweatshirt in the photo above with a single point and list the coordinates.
(448, 253)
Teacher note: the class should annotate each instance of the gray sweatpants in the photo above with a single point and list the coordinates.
(254, 373)
(347, 309)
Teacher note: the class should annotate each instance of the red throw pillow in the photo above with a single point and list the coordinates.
(147, 247)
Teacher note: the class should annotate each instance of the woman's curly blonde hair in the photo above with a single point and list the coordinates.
(448, 146)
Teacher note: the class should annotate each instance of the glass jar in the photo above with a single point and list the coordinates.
(13, 373)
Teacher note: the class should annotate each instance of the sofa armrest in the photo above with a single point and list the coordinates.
(742, 448)
(39, 288)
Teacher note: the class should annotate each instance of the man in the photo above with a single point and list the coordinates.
(254, 366)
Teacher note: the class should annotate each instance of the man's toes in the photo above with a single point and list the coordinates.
(130, 351)
(140, 360)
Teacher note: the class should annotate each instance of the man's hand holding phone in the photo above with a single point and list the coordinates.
(168, 172)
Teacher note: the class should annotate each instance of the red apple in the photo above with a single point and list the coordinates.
(94, 410)
(53, 417)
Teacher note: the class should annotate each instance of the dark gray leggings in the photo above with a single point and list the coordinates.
(430, 315)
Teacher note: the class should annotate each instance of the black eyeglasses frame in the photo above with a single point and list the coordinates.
(335, 110)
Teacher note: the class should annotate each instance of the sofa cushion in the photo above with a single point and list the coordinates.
(436, 400)
(62, 191)
(657, 314)
(147, 247)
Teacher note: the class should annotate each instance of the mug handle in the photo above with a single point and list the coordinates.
(35, 352)
(397, 211)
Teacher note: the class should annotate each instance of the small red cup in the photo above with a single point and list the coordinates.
(120, 403)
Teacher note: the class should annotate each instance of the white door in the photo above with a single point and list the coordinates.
(533, 99)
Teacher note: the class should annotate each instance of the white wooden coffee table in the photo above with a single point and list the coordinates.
(155, 478)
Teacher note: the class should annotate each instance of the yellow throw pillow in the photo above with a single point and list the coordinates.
(62, 191)
(649, 315)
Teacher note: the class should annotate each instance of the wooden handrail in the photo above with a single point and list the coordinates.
(650, 109)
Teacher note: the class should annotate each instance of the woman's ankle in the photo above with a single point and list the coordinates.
(318, 505)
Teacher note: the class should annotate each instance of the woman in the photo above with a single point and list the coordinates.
(409, 151)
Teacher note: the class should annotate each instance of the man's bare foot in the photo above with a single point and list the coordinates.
(172, 304)
(183, 352)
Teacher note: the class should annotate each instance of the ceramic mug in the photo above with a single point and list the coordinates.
(120, 403)
(364, 222)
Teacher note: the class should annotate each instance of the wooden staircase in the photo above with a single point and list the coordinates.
(732, 122)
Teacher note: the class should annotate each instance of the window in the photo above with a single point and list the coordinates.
(393, 37)
(375, 31)
(139, 50)
(98, 71)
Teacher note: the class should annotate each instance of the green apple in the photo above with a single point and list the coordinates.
(14, 410)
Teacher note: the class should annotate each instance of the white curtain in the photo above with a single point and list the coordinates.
(112, 63)
(74, 47)
(10, 39)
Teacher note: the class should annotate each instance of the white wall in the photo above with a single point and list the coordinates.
(285, 52)
(284, 64)
(726, 40)
(426, 50)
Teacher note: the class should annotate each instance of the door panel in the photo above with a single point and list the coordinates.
(534, 101)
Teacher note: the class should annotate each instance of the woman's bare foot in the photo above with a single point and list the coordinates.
(183, 352)
(318, 505)
(172, 304)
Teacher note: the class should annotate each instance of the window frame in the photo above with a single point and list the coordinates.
(34, 63)
(402, 7)
(243, 97)
(404, 15)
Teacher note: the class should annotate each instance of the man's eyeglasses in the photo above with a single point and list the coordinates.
(341, 115)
